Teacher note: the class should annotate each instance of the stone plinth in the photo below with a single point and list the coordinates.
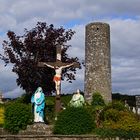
(97, 61)
(37, 129)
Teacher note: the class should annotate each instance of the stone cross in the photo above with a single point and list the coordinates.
(58, 66)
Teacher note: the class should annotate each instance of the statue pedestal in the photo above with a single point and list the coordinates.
(37, 129)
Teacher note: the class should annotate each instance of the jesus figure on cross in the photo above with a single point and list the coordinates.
(57, 76)
(58, 66)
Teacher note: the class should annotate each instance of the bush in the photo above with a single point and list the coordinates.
(74, 121)
(111, 111)
(118, 105)
(97, 101)
(118, 121)
(111, 133)
(1, 116)
(25, 98)
(49, 109)
(17, 116)
(97, 105)
(49, 113)
(50, 100)
(121, 123)
(128, 122)
(111, 115)
(50, 106)
(65, 99)
(91, 111)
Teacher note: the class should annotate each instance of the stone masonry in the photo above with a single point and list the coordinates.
(97, 61)
(1, 102)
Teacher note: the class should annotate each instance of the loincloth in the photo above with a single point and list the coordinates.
(56, 78)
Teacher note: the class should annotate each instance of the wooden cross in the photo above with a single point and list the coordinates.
(58, 66)
(58, 62)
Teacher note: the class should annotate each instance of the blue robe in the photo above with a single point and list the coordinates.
(39, 103)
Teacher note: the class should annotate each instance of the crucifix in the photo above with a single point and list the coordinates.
(58, 66)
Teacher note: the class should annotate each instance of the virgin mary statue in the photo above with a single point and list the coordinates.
(38, 99)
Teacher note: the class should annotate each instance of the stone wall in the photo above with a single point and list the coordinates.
(46, 137)
(57, 137)
(41, 135)
(97, 60)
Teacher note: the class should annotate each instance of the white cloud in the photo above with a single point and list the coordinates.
(76, 84)
(122, 16)
(78, 42)
(14, 93)
(125, 48)
(14, 12)
(125, 37)
(7, 22)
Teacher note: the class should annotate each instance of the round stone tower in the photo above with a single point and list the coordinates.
(98, 61)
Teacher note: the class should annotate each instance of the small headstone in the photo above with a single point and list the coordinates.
(138, 111)
(137, 101)
(126, 104)
(134, 110)
(1, 97)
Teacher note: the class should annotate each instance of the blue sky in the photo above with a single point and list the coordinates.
(122, 16)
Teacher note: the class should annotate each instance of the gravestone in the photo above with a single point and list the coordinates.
(97, 61)
(1, 102)
(137, 101)
(138, 104)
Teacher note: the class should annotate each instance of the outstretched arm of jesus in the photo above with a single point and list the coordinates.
(49, 65)
(68, 65)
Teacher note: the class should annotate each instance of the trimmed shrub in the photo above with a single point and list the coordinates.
(74, 121)
(91, 111)
(17, 116)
